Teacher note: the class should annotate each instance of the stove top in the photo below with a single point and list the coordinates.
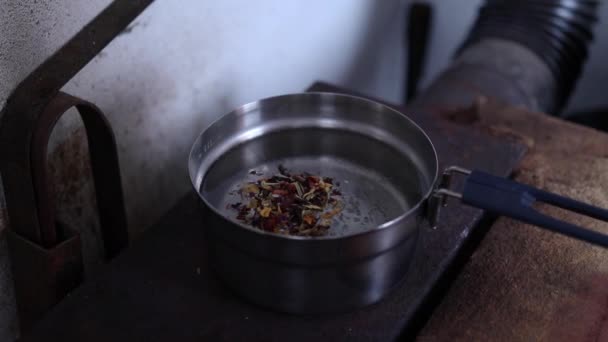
(162, 287)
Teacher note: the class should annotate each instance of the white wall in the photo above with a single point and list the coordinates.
(31, 30)
(452, 21)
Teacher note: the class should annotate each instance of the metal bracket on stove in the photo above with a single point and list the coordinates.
(46, 258)
(439, 197)
(46, 255)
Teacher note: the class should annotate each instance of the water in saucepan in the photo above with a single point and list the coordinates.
(369, 198)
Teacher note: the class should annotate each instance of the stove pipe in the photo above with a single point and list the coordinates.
(524, 52)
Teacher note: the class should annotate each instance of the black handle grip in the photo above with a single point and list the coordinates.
(509, 198)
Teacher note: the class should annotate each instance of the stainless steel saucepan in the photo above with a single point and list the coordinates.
(388, 170)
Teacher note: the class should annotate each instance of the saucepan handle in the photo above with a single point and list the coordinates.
(509, 198)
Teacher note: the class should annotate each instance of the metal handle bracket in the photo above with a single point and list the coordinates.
(442, 192)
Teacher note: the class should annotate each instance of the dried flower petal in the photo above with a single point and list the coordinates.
(298, 189)
(313, 207)
(309, 219)
(251, 189)
(265, 212)
(295, 204)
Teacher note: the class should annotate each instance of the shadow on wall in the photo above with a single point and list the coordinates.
(154, 119)
(377, 65)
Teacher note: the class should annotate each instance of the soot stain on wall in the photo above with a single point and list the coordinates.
(72, 180)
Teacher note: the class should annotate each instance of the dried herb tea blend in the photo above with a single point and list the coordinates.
(293, 204)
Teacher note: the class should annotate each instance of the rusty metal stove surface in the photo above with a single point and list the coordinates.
(162, 288)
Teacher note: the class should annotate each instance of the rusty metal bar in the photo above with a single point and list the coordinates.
(45, 272)
(104, 164)
(46, 258)
(43, 276)
(27, 101)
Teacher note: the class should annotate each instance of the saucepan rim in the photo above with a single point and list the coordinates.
(254, 105)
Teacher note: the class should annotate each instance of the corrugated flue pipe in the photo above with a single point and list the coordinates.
(525, 52)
